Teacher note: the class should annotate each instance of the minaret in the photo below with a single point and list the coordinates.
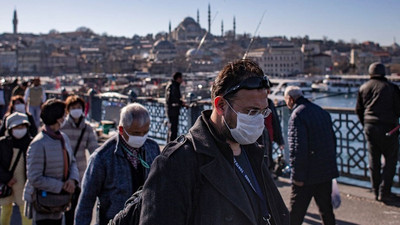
(234, 28)
(209, 18)
(169, 31)
(15, 21)
(222, 28)
(198, 16)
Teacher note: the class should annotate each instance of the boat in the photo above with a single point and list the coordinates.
(346, 83)
(279, 86)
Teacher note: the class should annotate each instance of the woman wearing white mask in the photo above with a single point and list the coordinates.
(13, 149)
(51, 167)
(82, 138)
(17, 104)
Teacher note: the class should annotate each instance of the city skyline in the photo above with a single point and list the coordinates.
(357, 20)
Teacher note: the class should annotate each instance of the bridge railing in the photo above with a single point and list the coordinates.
(352, 154)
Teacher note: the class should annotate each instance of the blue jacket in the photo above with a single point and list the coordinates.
(108, 177)
(312, 144)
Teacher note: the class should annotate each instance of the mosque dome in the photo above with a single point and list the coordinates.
(188, 21)
(163, 44)
(193, 52)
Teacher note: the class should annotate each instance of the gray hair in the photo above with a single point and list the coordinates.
(293, 92)
(134, 112)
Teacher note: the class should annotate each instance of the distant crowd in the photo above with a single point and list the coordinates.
(221, 172)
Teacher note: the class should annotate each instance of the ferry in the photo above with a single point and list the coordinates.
(279, 86)
(346, 83)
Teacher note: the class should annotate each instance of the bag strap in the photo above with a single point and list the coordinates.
(16, 161)
(45, 163)
(79, 140)
(201, 160)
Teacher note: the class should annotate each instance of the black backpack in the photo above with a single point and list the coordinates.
(131, 212)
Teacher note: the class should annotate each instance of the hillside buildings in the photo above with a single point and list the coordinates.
(187, 47)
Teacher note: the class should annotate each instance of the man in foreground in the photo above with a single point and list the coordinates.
(216, 173)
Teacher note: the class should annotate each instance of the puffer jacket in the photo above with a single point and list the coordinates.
(45, 169)
(312, 144)
(89, 141)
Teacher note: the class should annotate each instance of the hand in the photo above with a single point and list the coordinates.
(281, 147)
(298, 183)
(12, 182)
(69, 186)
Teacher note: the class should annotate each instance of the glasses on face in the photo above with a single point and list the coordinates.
(254, 112)
(249, 84)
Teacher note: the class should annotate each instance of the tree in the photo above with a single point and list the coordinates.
(53, 31)
(84, 30)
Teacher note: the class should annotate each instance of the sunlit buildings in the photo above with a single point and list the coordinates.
(280, 59)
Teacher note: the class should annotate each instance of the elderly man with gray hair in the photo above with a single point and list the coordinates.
(118, 168)
(312, 146)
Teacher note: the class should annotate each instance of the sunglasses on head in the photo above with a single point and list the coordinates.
(250, 83)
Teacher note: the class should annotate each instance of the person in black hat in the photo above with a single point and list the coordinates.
(378, 108)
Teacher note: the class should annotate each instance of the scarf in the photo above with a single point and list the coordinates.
(58, 136)
(130, 152)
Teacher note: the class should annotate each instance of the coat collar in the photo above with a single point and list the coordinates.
(220, 171)
(301, 100)
(72, 123)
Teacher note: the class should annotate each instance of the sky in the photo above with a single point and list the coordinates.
(347, 20)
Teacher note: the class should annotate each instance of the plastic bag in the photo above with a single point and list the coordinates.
(335, 195)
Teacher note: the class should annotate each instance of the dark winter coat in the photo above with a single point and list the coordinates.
(312, 144)
(378, 101)
(7, 143)
(193, 182)
(173, 97)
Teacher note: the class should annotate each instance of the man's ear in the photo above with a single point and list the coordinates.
(121, 130)
(219, 104)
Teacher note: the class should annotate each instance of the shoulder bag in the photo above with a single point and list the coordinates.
(6, 190)
(48, 202)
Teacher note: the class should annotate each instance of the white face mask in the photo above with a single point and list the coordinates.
(136, 141)
(248, 128)
(76, 113)
(20, 108)
(19, 133)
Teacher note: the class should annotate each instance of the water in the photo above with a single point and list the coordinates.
(335, 100)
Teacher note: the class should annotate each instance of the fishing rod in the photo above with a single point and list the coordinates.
(252, 38)
(388, 134)
(331, 95)
(201, 42)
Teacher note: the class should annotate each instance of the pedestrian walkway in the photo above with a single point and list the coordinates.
(358, 207)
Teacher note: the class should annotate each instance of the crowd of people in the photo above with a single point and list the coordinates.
(220, 172)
